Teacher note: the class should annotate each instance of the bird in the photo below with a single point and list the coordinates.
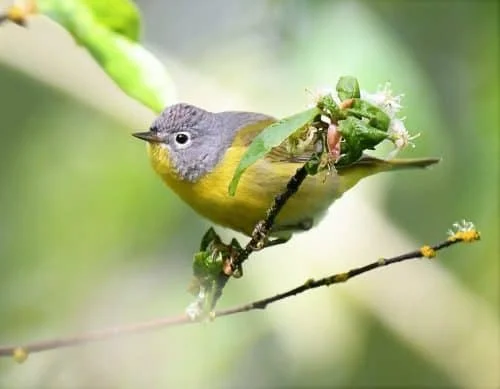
(196, 152)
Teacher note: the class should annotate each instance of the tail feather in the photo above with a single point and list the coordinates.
(367, 161)
(368, 165)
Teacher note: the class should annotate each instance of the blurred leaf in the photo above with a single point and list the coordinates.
(348, 88)
(110, 38)
(269, 138)
(120, 16)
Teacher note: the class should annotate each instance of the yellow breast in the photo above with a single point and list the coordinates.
(256, 190)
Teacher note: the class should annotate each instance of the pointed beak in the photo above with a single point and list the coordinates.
(148, 136)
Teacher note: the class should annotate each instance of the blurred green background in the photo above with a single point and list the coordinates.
(91, 238)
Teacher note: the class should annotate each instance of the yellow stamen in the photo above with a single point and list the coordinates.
(16, 14)
(465, 236)
(427, 251)
(20, 354)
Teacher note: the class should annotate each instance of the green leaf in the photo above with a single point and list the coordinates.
(119, 16)
(329, 107)
(207, 266)
(348, 88)
(199, 265)
(357, 136)
(376, 117)
(269, 138)
(112, 44)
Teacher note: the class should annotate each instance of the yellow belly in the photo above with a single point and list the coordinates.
(257, 188)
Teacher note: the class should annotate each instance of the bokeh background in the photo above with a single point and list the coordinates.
(90, 237)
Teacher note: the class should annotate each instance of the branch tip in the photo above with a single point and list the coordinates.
(465, 236)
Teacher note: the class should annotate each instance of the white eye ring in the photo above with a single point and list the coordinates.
(182, 139)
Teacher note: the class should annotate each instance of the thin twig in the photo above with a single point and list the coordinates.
(264, 227)
(261, 231)
(21, 352)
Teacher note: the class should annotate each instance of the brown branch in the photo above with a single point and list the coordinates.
(260, 233)
(20, 353)
(264, 227)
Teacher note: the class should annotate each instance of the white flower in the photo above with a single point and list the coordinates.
(399, 135)
(463, 231)
(384, 99)
(462, 226)
(319, 93)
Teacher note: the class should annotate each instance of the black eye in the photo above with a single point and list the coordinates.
(182, 138)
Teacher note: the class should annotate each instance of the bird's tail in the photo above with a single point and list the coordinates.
(368, 165)
(367, 161)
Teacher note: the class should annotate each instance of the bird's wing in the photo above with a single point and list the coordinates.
(253, 124)
(279, 153)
